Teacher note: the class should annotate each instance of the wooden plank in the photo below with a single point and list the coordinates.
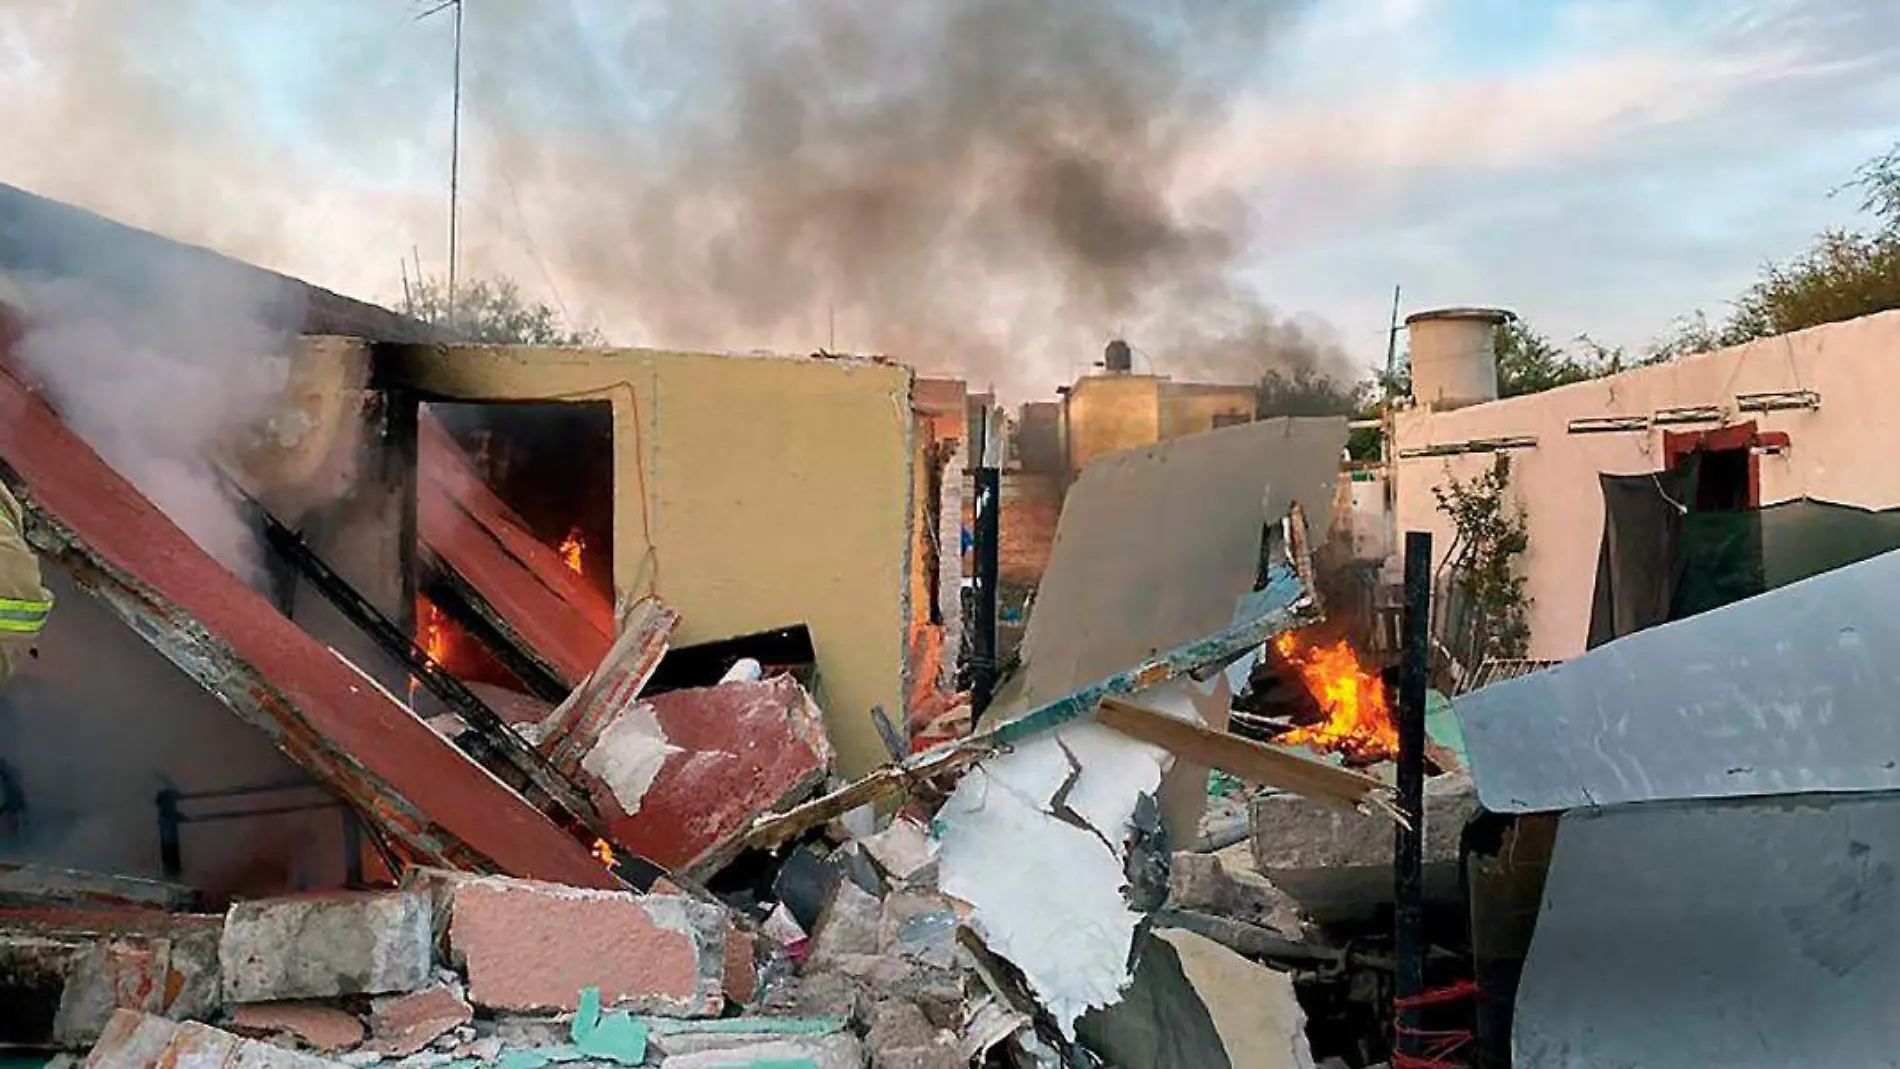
(1248, 760)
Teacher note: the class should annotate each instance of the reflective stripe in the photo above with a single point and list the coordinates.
(18, 617)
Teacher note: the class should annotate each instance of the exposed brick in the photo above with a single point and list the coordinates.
(407, 1024)
(322, 946)
(741, 969)
(133, 1040)
(533, 947)
(323, 1027)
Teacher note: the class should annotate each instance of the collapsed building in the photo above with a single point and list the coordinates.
(580, 634)
(602, 706)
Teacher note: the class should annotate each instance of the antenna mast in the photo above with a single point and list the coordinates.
(455, 147)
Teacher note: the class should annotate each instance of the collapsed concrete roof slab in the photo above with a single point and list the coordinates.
(427, 797)
(1746, 934)
(523, 589)
(1788, 692)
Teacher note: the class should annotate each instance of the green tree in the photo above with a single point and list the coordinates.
(1845, 274)
(1306, 391)
(491, 311)
(1529, 362)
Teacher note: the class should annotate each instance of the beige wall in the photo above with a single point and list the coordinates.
(1190, 408)
(1110, 413)
(1845, 451)
(752, 492)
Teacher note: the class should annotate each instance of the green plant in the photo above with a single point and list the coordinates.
(1490, 534)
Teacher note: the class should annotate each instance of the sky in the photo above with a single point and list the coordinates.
(1599, 166)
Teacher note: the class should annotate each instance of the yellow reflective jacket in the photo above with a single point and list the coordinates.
(24, 601)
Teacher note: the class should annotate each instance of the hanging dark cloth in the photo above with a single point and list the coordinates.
(1639, 562)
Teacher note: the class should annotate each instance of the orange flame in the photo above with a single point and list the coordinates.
(571, 548)
(432, 632)
(604, 852)
(1359, 721)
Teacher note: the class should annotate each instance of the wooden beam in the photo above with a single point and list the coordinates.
(1243, 758)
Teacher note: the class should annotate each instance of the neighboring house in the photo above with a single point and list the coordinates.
(1665, 490)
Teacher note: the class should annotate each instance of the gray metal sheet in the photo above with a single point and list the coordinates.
(1795, 691)
(1752, 934)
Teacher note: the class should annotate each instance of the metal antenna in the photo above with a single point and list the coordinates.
(455, 147)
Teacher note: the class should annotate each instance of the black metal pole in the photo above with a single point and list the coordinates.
(1409, 859)
(989, 507)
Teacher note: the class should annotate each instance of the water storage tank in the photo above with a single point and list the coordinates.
(1454, 356)
(1118, 358)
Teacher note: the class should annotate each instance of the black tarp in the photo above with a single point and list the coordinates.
(1638, 565)
(1659, 561)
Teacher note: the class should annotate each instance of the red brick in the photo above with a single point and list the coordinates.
(533, 947)
(412, 1022)
(741, 969)
(322, 1027)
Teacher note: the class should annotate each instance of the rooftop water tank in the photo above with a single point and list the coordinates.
(1454, 356)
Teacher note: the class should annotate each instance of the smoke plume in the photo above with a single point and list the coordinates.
(159, 378)
(977, 185)
(994, 187)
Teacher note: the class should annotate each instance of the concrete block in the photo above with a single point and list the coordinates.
(849, 925)
(903, 1038)
(323, 946)
(1337, 864)
(532, 947)
(324, 1027)
(133, 1040)
(1207, 883)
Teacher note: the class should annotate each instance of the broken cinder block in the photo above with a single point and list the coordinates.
(323, 946)
(533, 947)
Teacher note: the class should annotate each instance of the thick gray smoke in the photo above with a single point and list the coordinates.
(160, 379)
(980, 185)
(995, 187)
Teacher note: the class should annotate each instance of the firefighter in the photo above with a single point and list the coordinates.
(24, 602)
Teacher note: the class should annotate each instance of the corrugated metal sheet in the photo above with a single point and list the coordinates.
(1752, 934)
(1787, 693)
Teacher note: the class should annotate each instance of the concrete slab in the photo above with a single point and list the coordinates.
(324, 946)
(1337, 864)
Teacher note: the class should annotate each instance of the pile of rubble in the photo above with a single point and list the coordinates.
(678, 875)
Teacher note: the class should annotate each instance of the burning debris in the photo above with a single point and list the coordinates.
(1355, 714)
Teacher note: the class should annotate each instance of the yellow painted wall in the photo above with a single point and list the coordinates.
(1110, 413)
(1190, 408)
(752, 492)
